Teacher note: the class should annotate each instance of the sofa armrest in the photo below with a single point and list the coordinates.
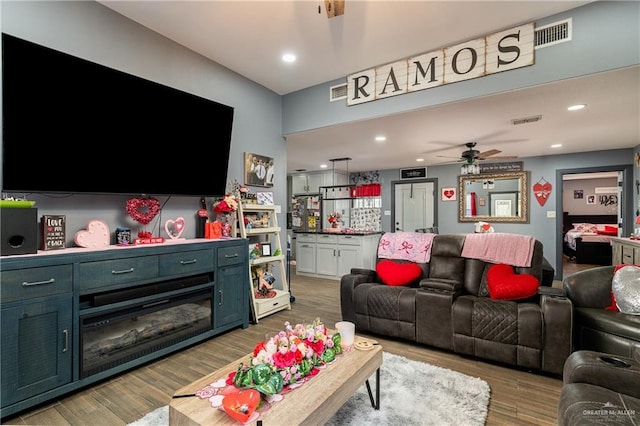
(557, 314)
(371, 274)
(551, 291)
(441, 285)
(616, 373)
(348, 284)
(590, 288)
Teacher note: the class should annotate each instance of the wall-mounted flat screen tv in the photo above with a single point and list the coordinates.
(74, 126)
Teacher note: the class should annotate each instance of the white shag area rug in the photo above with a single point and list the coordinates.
(411, 393)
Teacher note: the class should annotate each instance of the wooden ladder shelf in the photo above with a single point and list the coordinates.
(266, 258)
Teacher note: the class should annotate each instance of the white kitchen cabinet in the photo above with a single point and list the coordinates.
(327, 255)
(310, 183)
(336, 254)
(305, 253)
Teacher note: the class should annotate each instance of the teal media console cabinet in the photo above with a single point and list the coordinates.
(75, 316)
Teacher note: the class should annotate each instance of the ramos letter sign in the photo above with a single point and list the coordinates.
(503, 51)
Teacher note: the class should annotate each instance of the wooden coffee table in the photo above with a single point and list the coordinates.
(314, 403)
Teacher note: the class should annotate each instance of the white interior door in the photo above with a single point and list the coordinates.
(414, 206)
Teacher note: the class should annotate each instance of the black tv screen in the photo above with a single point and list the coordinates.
(74, 126)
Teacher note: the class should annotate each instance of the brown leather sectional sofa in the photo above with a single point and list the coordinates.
(449, 307)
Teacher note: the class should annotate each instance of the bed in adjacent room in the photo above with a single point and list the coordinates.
(587, 238)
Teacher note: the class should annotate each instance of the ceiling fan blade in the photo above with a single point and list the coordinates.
(489, 153)
(447, 162)
(503, 157)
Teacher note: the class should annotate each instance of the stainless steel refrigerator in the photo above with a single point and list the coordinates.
(306, 212)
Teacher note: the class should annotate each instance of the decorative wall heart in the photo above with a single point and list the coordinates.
(96, 235)
(143, 210)
(449, 193)
(542, 191)
(174, 228)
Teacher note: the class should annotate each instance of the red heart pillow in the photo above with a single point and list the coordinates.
(392, 273)
(505, 284)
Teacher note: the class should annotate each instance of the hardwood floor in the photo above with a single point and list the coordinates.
(569, 266)
(517, 397)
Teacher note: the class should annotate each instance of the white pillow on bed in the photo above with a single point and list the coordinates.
(585, 227)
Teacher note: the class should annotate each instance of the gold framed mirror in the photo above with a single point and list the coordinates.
(494, 197)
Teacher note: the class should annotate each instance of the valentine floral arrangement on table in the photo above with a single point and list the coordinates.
(277, 365)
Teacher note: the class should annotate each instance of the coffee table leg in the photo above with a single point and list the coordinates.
(375, 404)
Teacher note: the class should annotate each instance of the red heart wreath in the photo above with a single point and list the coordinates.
(143, 210)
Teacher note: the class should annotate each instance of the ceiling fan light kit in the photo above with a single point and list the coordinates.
(470, 169)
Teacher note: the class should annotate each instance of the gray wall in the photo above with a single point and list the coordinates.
(91, 31)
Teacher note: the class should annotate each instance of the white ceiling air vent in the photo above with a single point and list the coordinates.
(558, 32)
(338, 92)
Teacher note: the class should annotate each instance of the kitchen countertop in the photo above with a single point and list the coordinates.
(345, 231)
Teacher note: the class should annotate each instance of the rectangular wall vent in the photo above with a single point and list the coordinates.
(338, 92)
(548, 35)
(526, 120)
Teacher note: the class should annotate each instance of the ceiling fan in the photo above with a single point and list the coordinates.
(471, 154)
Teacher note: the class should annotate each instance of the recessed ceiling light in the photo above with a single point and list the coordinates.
(323, 166)
(381, 138)
(419, 160)
(289, 57)
(576, 107)
(556, 145)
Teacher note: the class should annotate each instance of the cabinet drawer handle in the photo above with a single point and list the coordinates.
(188, 262)
(28, 284)
(221, 298)
(66, 340)
(230, 256)
(125, 271)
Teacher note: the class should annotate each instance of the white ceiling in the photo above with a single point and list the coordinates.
(249, 37)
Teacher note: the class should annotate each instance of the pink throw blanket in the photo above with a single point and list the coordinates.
(413, 246)
(512, 249)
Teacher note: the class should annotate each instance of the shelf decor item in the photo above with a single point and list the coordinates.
(174, 228)
(96, 235)
(224, 210)
(53, 232)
